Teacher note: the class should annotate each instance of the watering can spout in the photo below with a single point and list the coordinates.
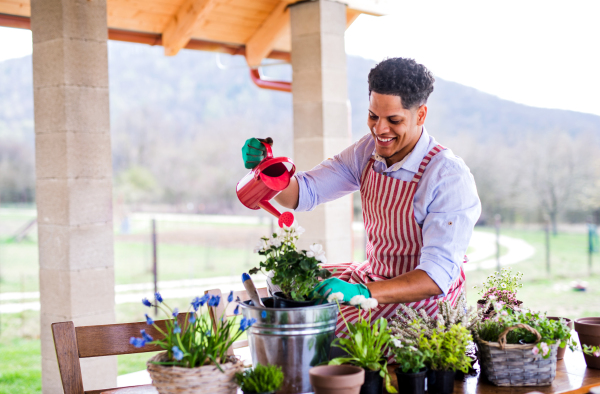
(265, 181)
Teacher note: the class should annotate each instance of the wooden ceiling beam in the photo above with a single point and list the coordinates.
(262, 41)
(190, 15)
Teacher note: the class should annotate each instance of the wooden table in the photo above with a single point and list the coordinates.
(572, 377)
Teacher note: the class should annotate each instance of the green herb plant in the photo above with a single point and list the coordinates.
(260, 379)
(410, 358)
(296, 272)
(368, 344)
(501, 286)
(447, 350)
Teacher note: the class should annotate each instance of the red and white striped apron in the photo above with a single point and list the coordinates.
(394, 241)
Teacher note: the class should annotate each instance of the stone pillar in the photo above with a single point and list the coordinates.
(73, 177)
(321, 127)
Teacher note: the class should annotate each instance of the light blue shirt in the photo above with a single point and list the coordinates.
(446, 204)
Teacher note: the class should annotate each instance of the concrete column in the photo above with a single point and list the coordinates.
(73, 177)
(321, 127)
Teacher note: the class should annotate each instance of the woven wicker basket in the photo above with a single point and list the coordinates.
(206, 379)
(515, 365)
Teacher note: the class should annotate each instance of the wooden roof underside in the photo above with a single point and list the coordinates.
(261, 26)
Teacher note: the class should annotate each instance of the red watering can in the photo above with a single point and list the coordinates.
(264, 182)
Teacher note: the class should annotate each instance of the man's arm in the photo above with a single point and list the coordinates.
(409, 287)
(288, 197)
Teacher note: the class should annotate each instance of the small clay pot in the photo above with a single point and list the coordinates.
(337, 379)
(588, 330)
(373, 383)
(560, 353)
(411, 383)
(440, 382)
(279, 301)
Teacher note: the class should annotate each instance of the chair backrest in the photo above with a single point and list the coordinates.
(72, 343)
(217, 312)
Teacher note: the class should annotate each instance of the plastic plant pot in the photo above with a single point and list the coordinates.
(337, 379)
(373, 383)
(560, 353)
(411, 383)
(279, 301)
(440, 382)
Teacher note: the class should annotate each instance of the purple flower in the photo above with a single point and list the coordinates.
(146, 337)
(175, 312)
(158, 297)
(198, 302)
(137, 342)
(146, 302)
(192, 319)
(149, 320)
(236, 310)
(177, 354)
(230, 297)
(214, 301)
(176, 329)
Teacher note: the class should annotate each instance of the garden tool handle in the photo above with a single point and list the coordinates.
(267, 145)
(502, 337)
(251, 290)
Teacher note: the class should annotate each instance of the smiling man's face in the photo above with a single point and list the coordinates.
(396, 130)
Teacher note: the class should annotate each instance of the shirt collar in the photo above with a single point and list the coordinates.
(412, 160)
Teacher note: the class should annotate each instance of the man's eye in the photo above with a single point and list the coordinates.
(394, 121)
(373, 117)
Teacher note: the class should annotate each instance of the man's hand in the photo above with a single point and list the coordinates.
(253, 151)
(335, 285)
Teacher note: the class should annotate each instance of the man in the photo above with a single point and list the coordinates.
(419, 200)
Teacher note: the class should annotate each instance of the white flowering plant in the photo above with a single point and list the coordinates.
(410, 358)
(367, 344)
(296, 272)
(502, 287)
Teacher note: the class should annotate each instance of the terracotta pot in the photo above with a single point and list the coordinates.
(373, 383)
(561, 351)
(588, 330)
(337, 379)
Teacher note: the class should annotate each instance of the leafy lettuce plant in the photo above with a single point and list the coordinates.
(261, 379)
(296, 272)
(446, 350)
(196, 342)
(367, 343)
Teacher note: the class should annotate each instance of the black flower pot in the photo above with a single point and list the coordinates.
(252, 392)
(411, 383)
(279, 301)
(440, 382)
(373, 383)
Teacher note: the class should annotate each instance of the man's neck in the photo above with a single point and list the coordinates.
(401, 154)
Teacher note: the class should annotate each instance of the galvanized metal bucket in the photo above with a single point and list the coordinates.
(294, 338)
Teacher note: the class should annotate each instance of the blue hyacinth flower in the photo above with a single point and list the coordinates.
(263, 314)
(199, 301)
(146, 302)
(214, 301)
(208, 333)
(149, 320)
(192, 318)
(158, 297)
(137, 342)
(230, 297)
(175, 312)
(236, 310)
(176, 329)
(177, 354)
(146, 337)
(243, 324)
(237, 299)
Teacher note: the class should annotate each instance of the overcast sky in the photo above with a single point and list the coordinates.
(540, 53)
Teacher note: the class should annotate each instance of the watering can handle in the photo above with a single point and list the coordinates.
(258, 169)
(269, 150)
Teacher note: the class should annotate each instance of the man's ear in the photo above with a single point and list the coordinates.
(421, 114)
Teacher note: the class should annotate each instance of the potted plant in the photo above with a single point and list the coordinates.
(588, 330)
(560, 354)
(411, 370)
(501, 287)
(195, 355)
(337, 379)
(296, 272)
(262, 379)
(367, 345)
(519, 334)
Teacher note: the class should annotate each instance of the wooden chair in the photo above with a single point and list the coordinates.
(72, 343)
(217, 312)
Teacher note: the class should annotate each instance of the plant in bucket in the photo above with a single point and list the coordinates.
(296, 272)
(367, 344)
(500, 287)
(195, 359)
(521, 335)
(262, 379)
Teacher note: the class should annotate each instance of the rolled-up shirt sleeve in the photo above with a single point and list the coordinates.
(331, 179)
(451, 215)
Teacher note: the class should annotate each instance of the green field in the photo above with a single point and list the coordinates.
(192, 250)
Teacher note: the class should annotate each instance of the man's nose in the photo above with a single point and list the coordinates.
(380, 127)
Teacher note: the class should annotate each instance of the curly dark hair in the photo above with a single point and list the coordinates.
(398, 76)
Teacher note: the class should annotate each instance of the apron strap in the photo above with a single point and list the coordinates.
(366, 170)
(434, 151)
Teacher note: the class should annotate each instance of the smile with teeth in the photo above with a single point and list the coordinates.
(385, 139)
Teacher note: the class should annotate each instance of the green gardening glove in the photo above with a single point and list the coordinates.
(335, 285)
(254, 151)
